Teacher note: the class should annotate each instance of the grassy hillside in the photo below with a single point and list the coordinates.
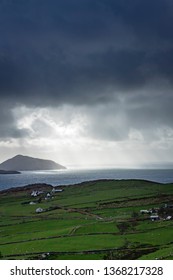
(92, 220)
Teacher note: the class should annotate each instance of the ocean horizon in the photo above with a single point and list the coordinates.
(73, 176)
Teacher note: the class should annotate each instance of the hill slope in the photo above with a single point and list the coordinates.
(94, 220)
(25, 163)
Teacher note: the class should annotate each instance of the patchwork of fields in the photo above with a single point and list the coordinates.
(92, 220)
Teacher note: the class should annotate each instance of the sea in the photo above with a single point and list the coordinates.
(73, 176)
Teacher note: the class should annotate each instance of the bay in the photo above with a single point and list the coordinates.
(73, 176)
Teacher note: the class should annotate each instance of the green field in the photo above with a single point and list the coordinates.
(92, 220)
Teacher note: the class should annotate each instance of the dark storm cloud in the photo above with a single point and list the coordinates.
(44, 45)
(85, 52)
(8, 126)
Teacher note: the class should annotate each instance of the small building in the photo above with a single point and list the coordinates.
(40, 192)
(54, 190)
(168, 217)
(145, 211)
(36, 193)
(154, 217)
(39, 210)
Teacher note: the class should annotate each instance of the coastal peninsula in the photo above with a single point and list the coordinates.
(4, 172)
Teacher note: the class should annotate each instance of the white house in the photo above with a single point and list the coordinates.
(145, 211)
(39, 210)
(36, 193)
(154, 217)
(56, 190)
(169, 218)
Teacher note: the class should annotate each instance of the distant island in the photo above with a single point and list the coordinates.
(26, 163)
(9, 172)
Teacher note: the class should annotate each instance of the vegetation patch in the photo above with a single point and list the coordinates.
(104, 219)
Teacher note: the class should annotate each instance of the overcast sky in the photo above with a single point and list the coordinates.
(87, 82)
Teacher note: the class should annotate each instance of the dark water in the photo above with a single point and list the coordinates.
(72, 176)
